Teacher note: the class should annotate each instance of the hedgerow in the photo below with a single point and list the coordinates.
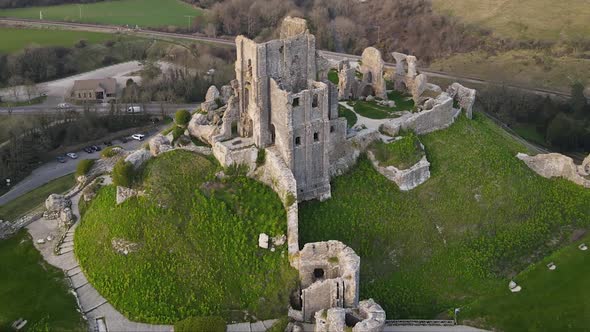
(198, 238)
(481, 216)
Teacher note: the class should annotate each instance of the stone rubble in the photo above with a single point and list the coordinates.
(552, 165)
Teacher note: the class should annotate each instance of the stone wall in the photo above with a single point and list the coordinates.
(406, 179)
(275, 174)
(237, 151)
(372, 69)
(335, 260)
(440, 115)
(345, 156)
(464, 96)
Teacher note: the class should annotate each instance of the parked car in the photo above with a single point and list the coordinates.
(108, 143)
(88, 149)
(134, 109)
(64, 106)
(124, 139)
(138, 137)
(72, 155)
(61, 159)
(96, 148)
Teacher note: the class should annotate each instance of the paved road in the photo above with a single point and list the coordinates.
(53, 169)
(152, 108)
(227, 42)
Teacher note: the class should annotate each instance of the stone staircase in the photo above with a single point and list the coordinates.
(67, 244)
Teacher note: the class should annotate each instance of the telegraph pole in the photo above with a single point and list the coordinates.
(80, 8)
(189, 20)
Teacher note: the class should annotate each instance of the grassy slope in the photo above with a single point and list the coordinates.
(34, 198)
(519, 67)
(14, 40)
(145, 13)
(549, 301)
(524, 19)
(199, 256)
(481, 216)
(33, 290)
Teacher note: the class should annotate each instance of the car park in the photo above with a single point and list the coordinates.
(61, 159)
(72, 155)
(138, 137)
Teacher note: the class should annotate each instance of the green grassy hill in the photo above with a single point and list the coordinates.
(524, 19)
(198, 249)
(14, 40)
(549, 301)
(144, 13)
(482, 217)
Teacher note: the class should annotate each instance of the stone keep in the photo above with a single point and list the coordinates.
(281, 104)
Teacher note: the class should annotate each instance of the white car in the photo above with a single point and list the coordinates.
(72, 155)
(64, 106)
(138, 137)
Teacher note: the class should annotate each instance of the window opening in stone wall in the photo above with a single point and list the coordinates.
(295, 102)
(316, 137)
(297, 140)
(314, 102)
(318, 273)
(331, 129)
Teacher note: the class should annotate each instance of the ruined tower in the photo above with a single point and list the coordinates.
(281, 105)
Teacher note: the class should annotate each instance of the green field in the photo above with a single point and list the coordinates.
(34, 290)
(522, 67)
(549, 301)
(14, 40)
(524, 19)
(35, 198)
(198, 249)
(144, 13)
(481, 217)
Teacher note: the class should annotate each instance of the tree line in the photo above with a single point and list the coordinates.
(562, 124)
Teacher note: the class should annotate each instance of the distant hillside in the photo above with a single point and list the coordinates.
(524, 19)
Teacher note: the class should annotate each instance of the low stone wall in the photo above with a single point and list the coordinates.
(440, 116)
(238, 151)
(406, 179)
(275, 174)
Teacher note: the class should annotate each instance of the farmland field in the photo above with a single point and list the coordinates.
(524, 19)
(144, 13)
(197, 240)
(523, 67)
(481, 217)
(14, 40)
